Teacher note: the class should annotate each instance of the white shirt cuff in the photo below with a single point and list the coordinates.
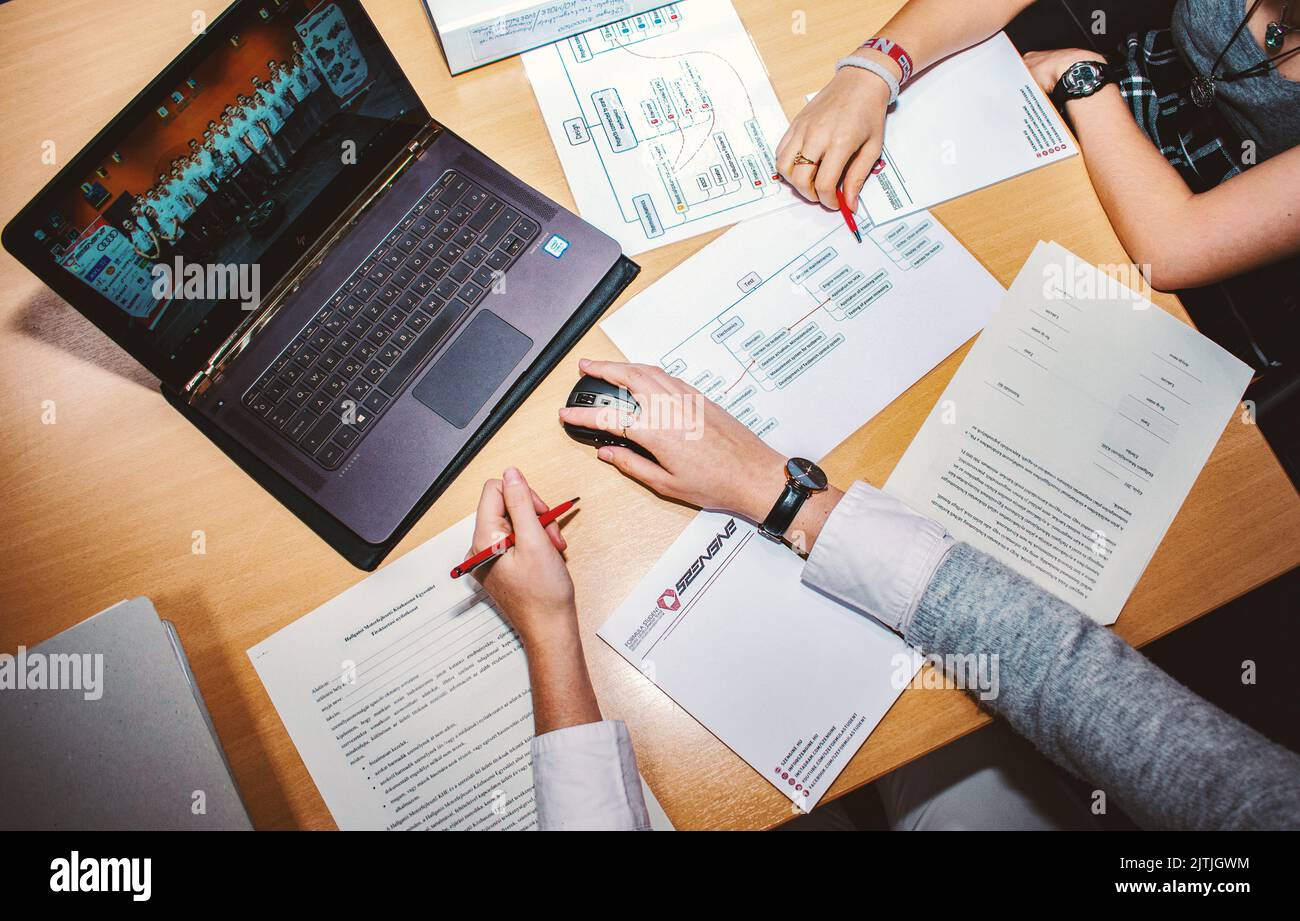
(877, 555)
(585, 779)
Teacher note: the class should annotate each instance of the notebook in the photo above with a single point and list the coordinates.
(104, 728)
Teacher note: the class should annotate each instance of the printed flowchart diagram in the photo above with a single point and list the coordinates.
(800, 332)
(665, 123)
(783, 325)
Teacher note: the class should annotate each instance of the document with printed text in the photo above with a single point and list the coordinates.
(788, 679)
(969, 122)
(802, 333)
(474, 32)
(1072, 432)
(407, 697)
(666, 123)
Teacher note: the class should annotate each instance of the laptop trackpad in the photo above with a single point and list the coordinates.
(469, 372)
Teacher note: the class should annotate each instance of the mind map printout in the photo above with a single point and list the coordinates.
(666, 123)
(802, 333)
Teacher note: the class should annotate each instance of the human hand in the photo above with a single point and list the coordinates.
(705, 455)
(1047, 67)
(529, 582)
(842, 131)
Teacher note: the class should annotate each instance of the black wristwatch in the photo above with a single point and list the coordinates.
(803, 478)
(1080, 80)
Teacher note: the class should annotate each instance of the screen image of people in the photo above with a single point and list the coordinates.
(225, 163)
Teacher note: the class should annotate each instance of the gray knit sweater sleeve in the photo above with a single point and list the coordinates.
(1102, 710)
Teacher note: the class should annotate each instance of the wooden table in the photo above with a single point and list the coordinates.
(102, 504)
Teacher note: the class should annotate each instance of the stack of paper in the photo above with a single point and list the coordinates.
(1072, 432)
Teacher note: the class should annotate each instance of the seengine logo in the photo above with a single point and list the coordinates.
(669, 600)
(711, 551)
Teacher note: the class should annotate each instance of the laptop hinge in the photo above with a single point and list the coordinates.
(259, 317)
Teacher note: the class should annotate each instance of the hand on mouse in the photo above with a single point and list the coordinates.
(706, 456)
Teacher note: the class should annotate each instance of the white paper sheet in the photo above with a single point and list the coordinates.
(1072, 432)
(788, 679)
(967, 123)
(474, 32)
(408, 699)
(801, 332)
(666, 123)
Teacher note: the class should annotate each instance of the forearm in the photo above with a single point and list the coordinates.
(584, 768)
(1079, 693)
(562, 691)
(1101, 709)
(1184, 239)
(1144, 197)
(931, 30)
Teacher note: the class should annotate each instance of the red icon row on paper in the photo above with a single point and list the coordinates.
(785, 775)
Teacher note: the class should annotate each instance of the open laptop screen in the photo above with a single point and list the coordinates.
(204, 191)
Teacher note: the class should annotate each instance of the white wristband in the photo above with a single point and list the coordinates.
(880, 70)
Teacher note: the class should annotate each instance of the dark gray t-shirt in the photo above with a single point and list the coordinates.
(1265, 109)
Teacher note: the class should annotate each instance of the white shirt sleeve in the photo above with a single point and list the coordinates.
(585, 778)
(877, 555)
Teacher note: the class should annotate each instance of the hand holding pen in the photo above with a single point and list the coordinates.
(531, 583)
(545, 519)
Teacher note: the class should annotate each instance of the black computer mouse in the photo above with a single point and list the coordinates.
(593, 392)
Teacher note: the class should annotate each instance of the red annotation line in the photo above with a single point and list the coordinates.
(742, 376)
(789, 328)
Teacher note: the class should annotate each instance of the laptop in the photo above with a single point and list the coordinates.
(341, 293)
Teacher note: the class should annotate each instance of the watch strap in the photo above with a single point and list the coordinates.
(783, 513)
(1060, 95)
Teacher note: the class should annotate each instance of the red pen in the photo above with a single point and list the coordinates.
(502, 546)
(848, 213)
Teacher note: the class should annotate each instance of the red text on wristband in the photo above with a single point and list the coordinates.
(894, 50)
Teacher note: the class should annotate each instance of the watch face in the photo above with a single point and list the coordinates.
(805, 473)
(1083, 79)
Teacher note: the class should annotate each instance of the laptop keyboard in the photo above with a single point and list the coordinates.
(351, 360)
